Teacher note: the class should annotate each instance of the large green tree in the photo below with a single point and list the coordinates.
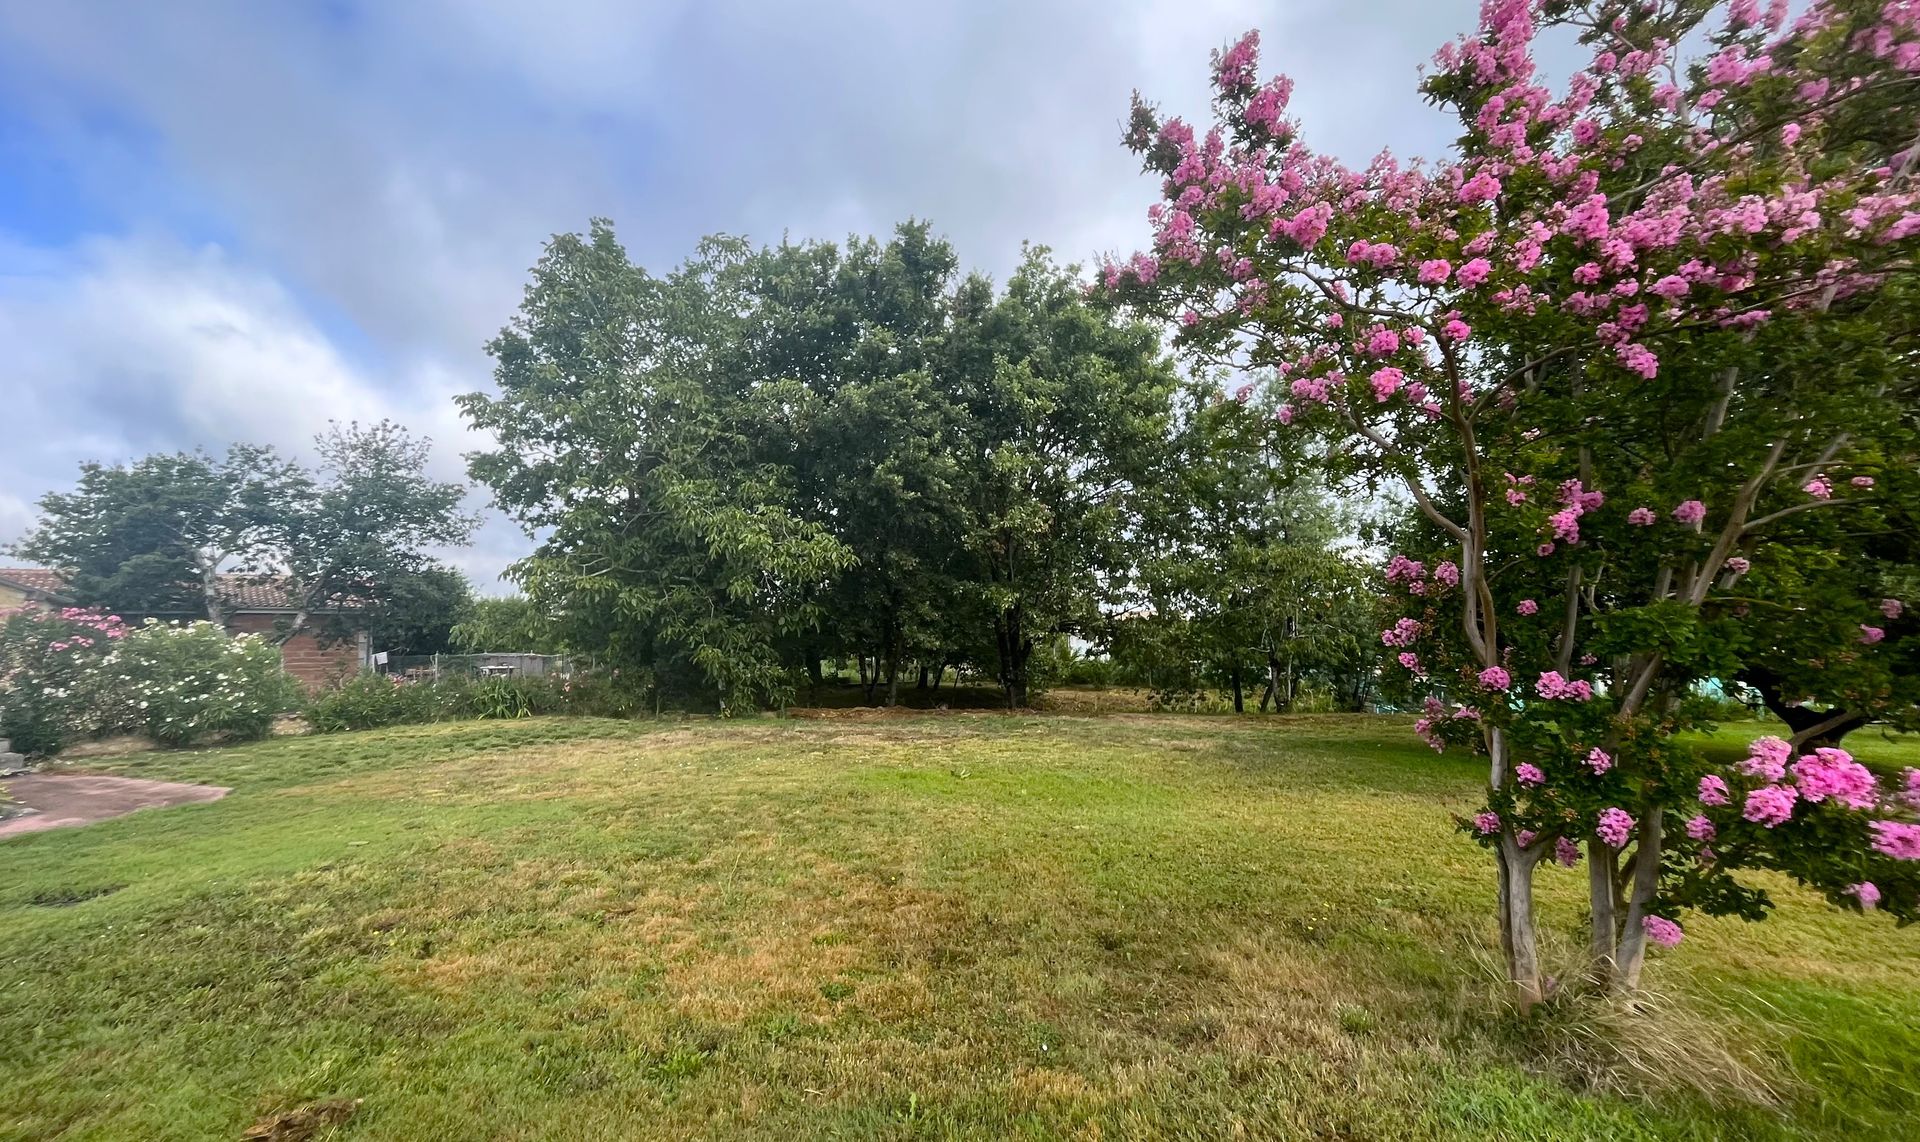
(1067, 419)
(633, 437)
(181, 533)
(1246, 584)
(774, 456)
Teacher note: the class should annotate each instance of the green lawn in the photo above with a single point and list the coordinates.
(962, 926)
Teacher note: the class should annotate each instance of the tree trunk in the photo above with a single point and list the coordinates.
(1518, 935)
(1239, 701)
(922, 684)
(208, 565)
(1602, 878)
(813, 673)
(1015, 649)
(1646, 883)
(1519, 939)
(939, 672)
(283, 636)
(1812, 729)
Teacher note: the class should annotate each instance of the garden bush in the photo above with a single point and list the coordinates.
(52, 691)
(183, 683)
(371, 701)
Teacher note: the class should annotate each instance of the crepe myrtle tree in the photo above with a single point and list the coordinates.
(1622, 337)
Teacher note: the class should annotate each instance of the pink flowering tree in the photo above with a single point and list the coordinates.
(52, 687)
(1631, 332)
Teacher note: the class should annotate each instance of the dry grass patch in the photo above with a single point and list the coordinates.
(948, 927)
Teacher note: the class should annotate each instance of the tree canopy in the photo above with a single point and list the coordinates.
(775, 456)
(180, 533)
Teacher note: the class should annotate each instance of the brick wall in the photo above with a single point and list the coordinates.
(305, 659)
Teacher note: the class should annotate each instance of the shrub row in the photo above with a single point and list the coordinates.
(70, 675)
(371, 701)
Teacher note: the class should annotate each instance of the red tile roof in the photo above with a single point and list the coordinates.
(243, 592)
(34, 579)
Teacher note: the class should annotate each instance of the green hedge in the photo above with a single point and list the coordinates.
(374, 700)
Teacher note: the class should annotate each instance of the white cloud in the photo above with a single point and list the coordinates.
(378, 177)
(128, 346)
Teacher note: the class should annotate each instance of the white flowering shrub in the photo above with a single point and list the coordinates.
(182, 683)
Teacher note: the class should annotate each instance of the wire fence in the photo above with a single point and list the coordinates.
(437, 666)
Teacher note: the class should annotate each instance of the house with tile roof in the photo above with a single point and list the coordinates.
(254, 605)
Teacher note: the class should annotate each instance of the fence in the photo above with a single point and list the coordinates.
(438, 666)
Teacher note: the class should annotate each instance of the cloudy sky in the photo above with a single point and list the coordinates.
(234, 220)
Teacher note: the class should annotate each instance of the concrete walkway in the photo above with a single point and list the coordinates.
(69, 799)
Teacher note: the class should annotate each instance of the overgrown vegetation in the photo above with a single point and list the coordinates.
(964, 926)
(75, 674)
(371, 701)
(773, 459)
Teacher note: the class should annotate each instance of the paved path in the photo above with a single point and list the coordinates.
(68, 799)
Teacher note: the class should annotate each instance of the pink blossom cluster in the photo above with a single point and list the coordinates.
(112, 626)
(1404, 632)
(1614, 826)
(1832, 773)
(1662, 931)
(1436, 715)
(1770, 805)
(1767, 758)
(1552, 686)
(1495, 678)
(1896, 839)
(1714, 791)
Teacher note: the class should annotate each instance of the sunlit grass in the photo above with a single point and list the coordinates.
(971, 926)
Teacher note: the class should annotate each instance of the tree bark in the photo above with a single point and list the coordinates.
(1518, 933)
(1239, 700)
(893, 663)
(1811, 728)
(1646, 883)
(1519, 939)
(1015, 649)
(1602, 876)
(208, 565)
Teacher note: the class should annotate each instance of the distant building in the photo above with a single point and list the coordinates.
(254, 606)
